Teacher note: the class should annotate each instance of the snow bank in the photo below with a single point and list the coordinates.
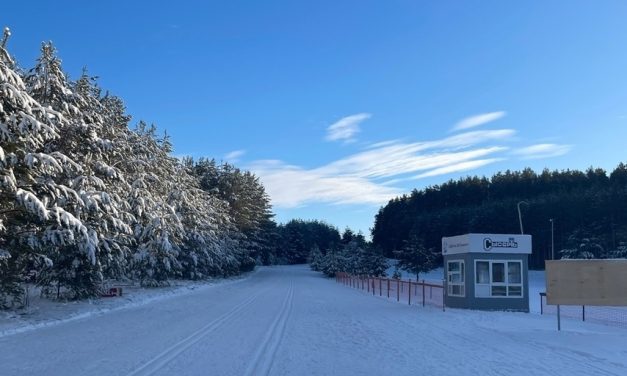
(44, 312)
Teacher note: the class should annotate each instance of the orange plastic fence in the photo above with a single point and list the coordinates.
(410, 292)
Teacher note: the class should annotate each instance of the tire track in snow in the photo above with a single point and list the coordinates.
(163, 358)
(263, 359)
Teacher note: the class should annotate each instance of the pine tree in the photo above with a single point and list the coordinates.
(36, 207)
(90, 180)
(582, 245)
(333, 263)
(619, 253)
(415, 258)
(315, 259)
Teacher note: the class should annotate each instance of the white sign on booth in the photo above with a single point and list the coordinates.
(486, 243)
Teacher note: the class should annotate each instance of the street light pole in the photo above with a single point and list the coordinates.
(552, 241)
(520, 216)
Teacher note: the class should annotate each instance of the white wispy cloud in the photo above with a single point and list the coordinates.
(539, 151)
(292, 186)
(346, 128)
(400, 159)
(368, 177)
(234, 156)
(458, 167)
(477, 120)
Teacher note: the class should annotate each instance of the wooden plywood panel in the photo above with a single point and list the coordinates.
(587, 282)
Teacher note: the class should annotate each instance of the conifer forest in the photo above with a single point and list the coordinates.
(88, 195)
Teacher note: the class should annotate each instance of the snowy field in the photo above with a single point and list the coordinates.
(291, 321)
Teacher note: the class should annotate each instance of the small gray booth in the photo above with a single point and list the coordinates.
(487, 271)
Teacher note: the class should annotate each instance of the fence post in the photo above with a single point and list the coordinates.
(373, 287)
(388, 287)
(368, 283)
(443, 295)
(409, 292)
(583, 313)
(398, 290)
(380, 289)
(541, 305)
(423, 292)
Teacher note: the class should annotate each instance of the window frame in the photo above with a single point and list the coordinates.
(461, 271)
(506, 283)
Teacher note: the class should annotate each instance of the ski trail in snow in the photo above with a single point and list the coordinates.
(263, 359)
(159, 361)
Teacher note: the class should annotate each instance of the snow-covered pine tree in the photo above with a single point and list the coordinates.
(106, 143)
(373, 262)
(249, 207)
(619, 252)
(205, 250)
(315, 258)
(96, 208)
(582, 244)
(415, 258)
(35, 209)
(362, 259)
(332, 263)
(158, 230)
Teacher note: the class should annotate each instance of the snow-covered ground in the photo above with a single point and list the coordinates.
(291, 321)
(45, 312)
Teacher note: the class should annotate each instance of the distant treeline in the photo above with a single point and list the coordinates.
(321, 245)
(589, 212)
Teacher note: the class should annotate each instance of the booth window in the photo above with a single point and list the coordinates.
(498, 278)
(455, 270)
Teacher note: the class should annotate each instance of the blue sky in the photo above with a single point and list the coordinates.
(340, 105)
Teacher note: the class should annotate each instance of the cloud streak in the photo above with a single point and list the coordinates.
(540, 151)
(291, 186)
(346, 128)
(234, 156)
(369, 176)
(458, 167)
(477, 120)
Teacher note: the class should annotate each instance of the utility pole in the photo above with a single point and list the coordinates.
(520, 216)
(552, 240)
